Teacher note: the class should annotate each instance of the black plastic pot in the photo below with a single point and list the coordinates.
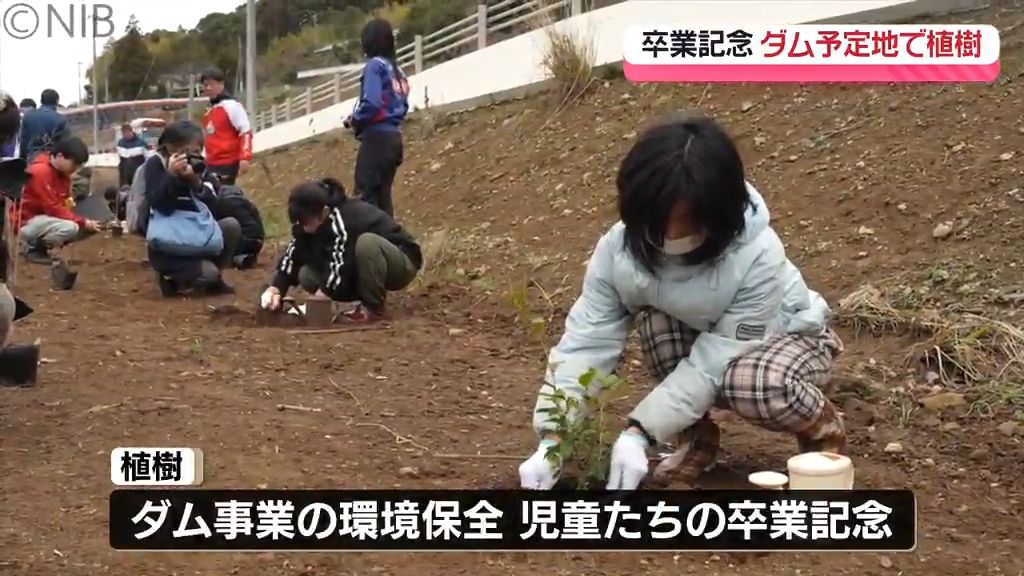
(319, 312)
(62, 277)
(19, 365)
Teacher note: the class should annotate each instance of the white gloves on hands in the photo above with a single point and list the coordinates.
(271, 299)
(538, 473)
(629, 461)
(628, 465)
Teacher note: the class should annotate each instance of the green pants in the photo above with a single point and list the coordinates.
(380, 267)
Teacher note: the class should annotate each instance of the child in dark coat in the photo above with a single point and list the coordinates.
(344, 249)
(232, 203)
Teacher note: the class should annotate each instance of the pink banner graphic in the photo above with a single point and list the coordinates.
(811, 73)
(812, 53)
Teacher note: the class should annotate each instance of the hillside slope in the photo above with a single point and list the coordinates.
(509, 202)
(857, 177)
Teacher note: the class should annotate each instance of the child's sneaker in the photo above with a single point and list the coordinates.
(168, 287)
(38, 254)
(245, 261)
(217, 288)
(363, 315)
(224, 288)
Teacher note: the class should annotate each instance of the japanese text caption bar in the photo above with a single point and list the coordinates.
(406, 520)
(811, 53)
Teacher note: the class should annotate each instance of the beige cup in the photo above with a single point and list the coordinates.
(820, 471)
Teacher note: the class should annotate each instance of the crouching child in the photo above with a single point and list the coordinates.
(232, 203)
(344, 249)
(117, 201)
(46, 220)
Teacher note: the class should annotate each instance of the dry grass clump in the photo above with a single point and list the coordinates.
(964, 349)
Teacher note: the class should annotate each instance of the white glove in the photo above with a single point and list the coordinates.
(538, 473)
(629, 461)
(270, 299)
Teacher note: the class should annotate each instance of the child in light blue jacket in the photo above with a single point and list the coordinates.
(725, 319)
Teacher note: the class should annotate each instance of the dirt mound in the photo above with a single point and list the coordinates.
(508, 202)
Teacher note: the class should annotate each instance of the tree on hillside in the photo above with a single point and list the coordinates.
(426, 16)
(287, 34)
(103, 62)
(272, 21)
(176, 53)
(131, 64)
(218, 35)
(285, 55)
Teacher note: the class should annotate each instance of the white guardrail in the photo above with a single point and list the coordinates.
(516, 62)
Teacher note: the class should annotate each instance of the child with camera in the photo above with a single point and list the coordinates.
(188, 246)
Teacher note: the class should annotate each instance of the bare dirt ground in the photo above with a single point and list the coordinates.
(508, 201)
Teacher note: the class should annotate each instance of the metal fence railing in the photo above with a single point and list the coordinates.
(425, 51)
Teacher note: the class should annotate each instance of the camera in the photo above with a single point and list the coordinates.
(196, 162)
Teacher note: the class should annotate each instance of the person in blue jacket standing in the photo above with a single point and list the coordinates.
(131, 153)
(41, 127)
(377, 118)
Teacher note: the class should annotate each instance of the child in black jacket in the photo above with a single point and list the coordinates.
(232, 203)
(345, 249)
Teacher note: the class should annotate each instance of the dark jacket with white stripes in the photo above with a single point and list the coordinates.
(330, 251)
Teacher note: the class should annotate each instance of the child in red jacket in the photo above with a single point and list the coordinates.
(46, 219)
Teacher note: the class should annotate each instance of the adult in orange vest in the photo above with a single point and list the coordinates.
(228, 143)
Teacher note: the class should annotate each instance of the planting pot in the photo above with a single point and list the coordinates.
(319, 312)
(19, 365)
(266, 317)
(279, 318)
(62, 277)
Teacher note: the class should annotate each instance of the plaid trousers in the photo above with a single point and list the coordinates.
(776, 386)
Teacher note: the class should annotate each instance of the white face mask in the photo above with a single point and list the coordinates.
(684, 245)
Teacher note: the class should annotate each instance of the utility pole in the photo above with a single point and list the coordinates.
(250, 57)
(95, 93)
(239, 69)
(191, 93)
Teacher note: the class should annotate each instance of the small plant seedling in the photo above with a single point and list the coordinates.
(581, 424)
(534, 325)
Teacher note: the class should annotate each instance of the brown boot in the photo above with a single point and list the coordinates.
(826, 434)
(697, 452)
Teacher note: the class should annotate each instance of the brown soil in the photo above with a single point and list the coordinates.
(521, 198)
